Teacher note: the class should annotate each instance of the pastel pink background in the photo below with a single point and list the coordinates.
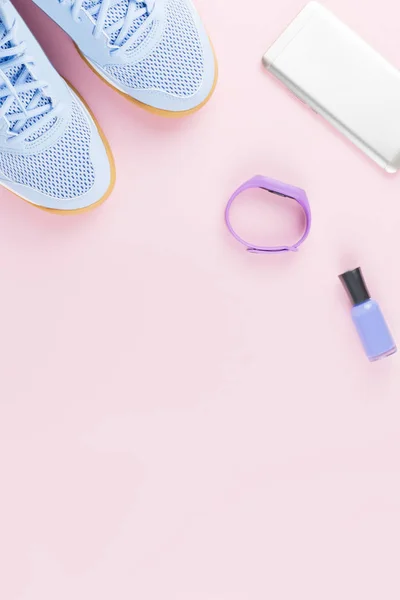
(180, 420)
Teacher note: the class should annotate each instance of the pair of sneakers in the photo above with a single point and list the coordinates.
(52, 151)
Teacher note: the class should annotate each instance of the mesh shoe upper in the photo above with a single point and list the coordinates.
(51, 150)
(63, 170)
(116, 13)
(154, 51)
(15, 73)
(176, 64)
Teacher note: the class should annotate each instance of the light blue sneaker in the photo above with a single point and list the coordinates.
(156, 52)
(51, 151)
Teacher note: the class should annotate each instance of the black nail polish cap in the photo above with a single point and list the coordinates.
(355, 286)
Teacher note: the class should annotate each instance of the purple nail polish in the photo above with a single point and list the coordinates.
(368, 318)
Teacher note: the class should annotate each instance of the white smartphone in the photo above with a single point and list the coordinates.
(330, 68)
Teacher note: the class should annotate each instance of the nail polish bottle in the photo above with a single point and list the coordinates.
(368, 318)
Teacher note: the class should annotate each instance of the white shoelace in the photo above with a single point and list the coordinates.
(135, 10)
(13, 54)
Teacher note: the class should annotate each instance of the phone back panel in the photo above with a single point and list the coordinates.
(328, 66)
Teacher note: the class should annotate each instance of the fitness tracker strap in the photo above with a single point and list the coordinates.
(280, 189)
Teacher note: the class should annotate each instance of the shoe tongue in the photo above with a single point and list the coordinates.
(13, 73)
(117, 12)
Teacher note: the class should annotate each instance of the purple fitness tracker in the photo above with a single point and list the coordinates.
(280, 189)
